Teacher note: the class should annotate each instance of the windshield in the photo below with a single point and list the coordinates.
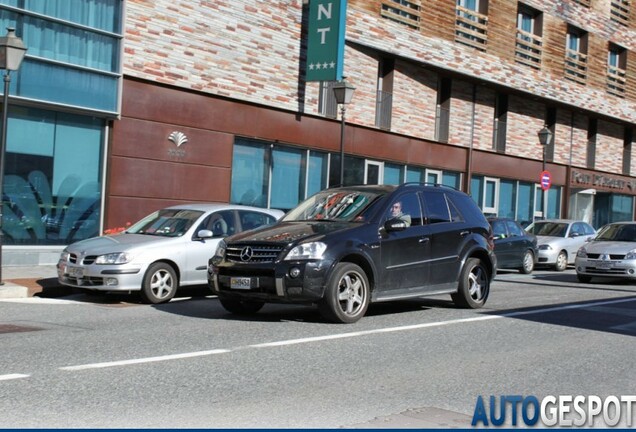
(166, 223)
(618, 233)
(552, 229)
(333, 205)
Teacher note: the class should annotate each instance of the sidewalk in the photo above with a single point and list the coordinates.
(30, 281)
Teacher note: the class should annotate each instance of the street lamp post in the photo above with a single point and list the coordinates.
(343, 92)
(12, 52)
(545, 136)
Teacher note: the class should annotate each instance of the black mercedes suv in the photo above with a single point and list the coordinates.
(344, 248)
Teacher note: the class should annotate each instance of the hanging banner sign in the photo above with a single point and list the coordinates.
(325, 41)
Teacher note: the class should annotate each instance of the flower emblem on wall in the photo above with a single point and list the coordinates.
(178, 138)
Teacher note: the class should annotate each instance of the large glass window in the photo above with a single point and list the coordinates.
(101, 14)
(278, 177)
(52, 183)
(507, 199)
(288, 182)
(250, 174)
(393, 174)
(451, 179)
(73, 55)
(525, 209)
(316, 172)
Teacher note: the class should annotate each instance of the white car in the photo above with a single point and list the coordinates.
(558, 240)
(165, 250)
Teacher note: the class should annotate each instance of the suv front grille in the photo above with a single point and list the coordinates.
(252, 253)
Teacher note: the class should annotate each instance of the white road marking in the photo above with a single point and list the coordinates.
(145, 360)
(339, 336)
(12, 376)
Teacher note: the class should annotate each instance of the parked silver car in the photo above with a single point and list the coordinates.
(167, 249)
(558, 240)
(612, 253)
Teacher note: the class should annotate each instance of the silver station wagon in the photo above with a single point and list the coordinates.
(165, 250)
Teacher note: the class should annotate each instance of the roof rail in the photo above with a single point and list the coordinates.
(427, 184)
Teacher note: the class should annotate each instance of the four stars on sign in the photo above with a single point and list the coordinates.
(324, 65)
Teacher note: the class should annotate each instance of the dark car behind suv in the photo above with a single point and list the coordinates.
(344, 248)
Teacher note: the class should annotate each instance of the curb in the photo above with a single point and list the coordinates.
(10, 290)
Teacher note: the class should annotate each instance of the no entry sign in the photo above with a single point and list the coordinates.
(546, 180)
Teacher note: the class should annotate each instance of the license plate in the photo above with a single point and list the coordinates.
(76, 272)
(240, 283)
(604, 265)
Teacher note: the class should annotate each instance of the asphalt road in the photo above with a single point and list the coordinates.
(109, 361)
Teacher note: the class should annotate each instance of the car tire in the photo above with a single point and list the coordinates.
(160, 283)
(474, 285)
(528, 263)
(584, 278)
(561, 261)
(241, 307)
(347, 294)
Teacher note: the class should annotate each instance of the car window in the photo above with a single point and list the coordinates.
(221, 223)
(253, 219)
(588, 229)
(498, 229)
(406, 208)
(436, 207)
(514, 229)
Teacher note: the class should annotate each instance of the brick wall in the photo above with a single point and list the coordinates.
(414, 101)
(609, 147)
(525, 118)
(245, 49)
(497, 64)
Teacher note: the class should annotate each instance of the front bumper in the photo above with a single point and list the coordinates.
(606, 268)
(284, 282)
(547, 256)
(100, 277)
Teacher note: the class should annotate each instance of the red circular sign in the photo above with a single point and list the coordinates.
(546, 180)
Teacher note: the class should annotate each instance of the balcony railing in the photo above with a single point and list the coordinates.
(619, 11)
(402, 11)
(471, 28)
(616, 81)
(528, 49)
(383, 109)
(575, 66)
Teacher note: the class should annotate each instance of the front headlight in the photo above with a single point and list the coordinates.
(631, 255)
(64, 256)
(545, 247)
(581, 253)
(114, 258)
(219, 254)
(313, 250)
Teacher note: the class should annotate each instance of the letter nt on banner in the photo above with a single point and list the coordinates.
(325, 42)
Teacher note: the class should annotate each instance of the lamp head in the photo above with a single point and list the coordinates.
(12, 51)
(343, 92)
(545, 136)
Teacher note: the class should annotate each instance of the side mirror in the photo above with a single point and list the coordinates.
(395, 225)
(204, 234)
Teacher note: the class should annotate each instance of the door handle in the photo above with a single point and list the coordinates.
(464, 233)
(424, 240)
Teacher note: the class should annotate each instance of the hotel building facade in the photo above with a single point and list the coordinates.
(123, 107)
